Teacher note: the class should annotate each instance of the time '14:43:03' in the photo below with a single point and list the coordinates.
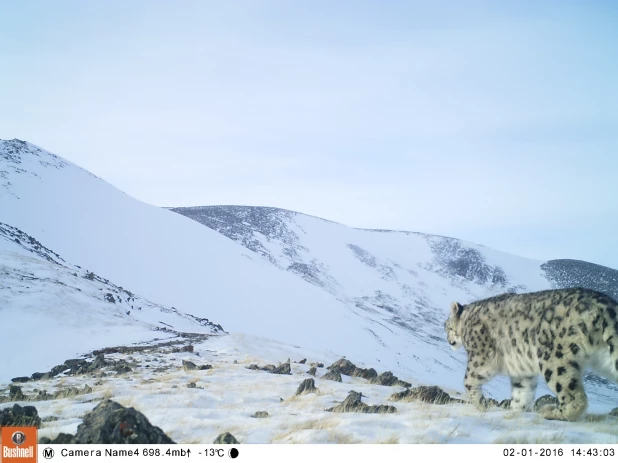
(602, 452)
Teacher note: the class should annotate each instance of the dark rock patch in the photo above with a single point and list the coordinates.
(353, 403)
(260, 414)
(506, 404)
(389, 379)
(333, 375)
(16, 394)
(282, 369)
(312, 371)
(365, 373)
(306, 387)
(344, 366)
(428, 394)
(226, 438)
(21, 379)
(189, 365)
(111, 423)
(20, 416)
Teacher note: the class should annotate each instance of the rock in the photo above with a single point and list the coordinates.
(57, 370)
(204, 367)
(192, 385)
(86, 390)
(225, 438)
(312, 371)
(98, 362)
(368, 373)
(306, 387)
(320, 365)
(429, 394)
(20, 416)
(122, 369)
(353, 403)
(545, 400)
(388, 379)
(21, 379)
(37, 376)
(261, 414)
(344, 366)
(303, 361)
(506, 404)
(614, 412)
(333, 375)
(489, 402)
(111, 423)
(16, 394)
(282, 369)
(189, 365)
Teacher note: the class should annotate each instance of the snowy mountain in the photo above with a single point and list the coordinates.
(176, 262)
(405, 279)
(377, 297)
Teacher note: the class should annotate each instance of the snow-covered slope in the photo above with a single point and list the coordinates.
(405, 279)
(177, 262)
(51, 309)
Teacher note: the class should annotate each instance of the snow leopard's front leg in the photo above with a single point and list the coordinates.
(478, 373)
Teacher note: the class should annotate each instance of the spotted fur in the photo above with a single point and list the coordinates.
(556, 334)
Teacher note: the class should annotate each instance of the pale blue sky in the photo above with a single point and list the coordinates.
(495, 122)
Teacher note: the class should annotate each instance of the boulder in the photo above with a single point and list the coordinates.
(111, 423)
(19, 416)
(226, 438)
(306, 387)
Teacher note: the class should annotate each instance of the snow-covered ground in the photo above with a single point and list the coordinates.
(226, 396)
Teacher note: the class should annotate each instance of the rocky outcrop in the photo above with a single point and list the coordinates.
(111, 423)
(428, 394)
(306, 387)
(333, 375)
(20, 416)
(389, 379)
(353, 403)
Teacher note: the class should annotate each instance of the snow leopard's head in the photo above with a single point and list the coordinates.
(452, 326)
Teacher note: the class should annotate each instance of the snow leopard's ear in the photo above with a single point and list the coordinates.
(456, 309)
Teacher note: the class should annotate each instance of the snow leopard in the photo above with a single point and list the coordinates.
(556, 334)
